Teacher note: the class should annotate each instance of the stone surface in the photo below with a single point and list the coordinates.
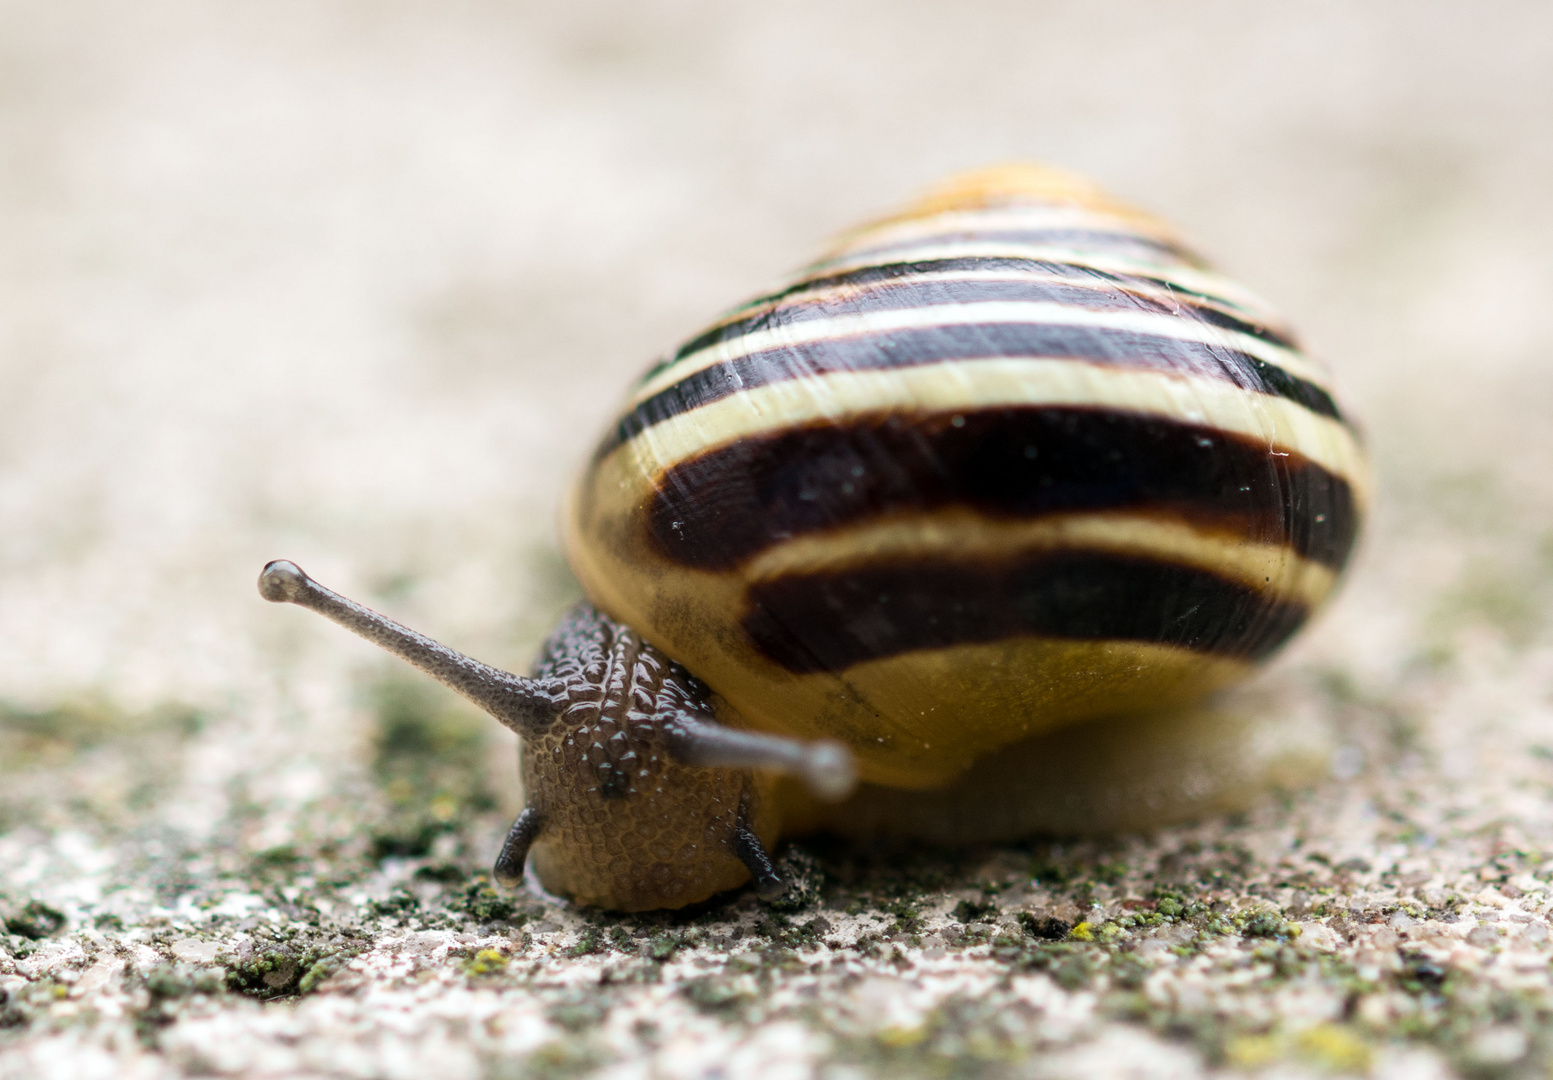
(356, 284)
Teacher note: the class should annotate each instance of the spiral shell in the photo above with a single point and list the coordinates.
(1010, 459)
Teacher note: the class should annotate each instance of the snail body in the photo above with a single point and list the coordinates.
(1011, 461)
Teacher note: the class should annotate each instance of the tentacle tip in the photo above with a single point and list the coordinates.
(282, 581)
(508, 881)
(830, 771)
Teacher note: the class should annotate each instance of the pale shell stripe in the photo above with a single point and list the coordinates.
(1274, 569)
(1042, 313)
(1192, 279)
(1137, 286)
(1002, 381)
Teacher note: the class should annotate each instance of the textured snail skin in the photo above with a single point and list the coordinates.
(626, 826)
(1007, 461)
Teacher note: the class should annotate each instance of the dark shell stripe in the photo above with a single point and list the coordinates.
(829, 622)
(943, 344)
(894, 294)
(722, 507)
(1176, 276)
(900, 268)
(1210, 308)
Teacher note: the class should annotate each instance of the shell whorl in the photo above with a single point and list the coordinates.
(1012, 457)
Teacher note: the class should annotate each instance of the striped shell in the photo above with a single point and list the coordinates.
(1008, 460)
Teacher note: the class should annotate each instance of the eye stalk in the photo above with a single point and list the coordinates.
(528, 706)
(524, 705)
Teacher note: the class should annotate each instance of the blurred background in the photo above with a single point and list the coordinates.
(358, 284)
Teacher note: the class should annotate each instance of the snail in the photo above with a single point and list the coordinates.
(980, 512)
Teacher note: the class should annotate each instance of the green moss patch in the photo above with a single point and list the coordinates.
(33, 920)
(285, 963)
(429, 760)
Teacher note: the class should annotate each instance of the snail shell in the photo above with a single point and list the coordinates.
(1011, 459)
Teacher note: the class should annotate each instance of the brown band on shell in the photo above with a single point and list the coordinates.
(894, 349)
(829, 622)
(719, 509)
